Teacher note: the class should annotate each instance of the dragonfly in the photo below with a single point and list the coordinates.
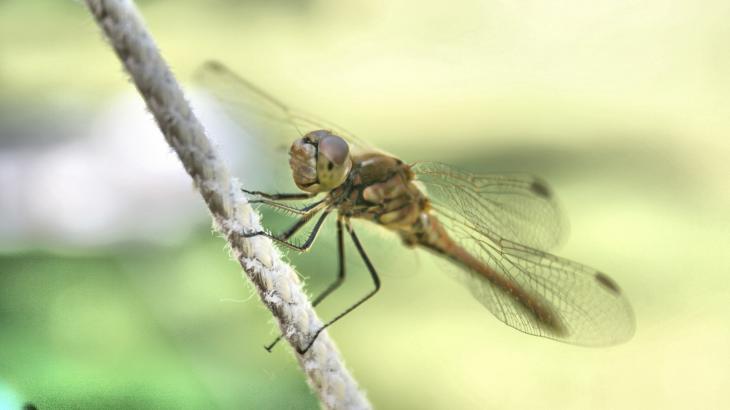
(494, 230)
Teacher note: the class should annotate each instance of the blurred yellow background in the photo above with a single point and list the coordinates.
(115, 294)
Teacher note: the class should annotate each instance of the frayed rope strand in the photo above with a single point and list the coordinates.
(276, 283)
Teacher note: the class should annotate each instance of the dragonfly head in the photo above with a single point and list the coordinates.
(320, 161)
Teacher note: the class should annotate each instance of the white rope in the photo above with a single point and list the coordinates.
(276, 282)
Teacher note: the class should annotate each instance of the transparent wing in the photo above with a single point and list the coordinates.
(517, 207)
(259, 113)
(587, 305)
(488, 216)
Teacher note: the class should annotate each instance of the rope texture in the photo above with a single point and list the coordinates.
(276, 282)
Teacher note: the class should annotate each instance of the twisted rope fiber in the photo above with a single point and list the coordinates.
(276, 282)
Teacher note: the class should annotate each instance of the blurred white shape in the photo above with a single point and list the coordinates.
(8, 397)
(120, 182)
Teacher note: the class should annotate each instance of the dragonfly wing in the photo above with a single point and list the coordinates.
(518, 207)
(588, 307)
(260, 113)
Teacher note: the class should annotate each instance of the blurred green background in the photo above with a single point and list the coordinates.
(114, 293)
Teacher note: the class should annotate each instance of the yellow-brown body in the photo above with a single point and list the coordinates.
(382, 189)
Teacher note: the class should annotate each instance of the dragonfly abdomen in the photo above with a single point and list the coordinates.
(435, 238)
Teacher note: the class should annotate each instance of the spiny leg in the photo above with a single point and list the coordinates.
(340, 267)
(281, 197)
(373, 275)
(279, 205)
(334, 285)
(283, 238)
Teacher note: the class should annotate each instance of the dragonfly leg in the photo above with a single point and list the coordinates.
(283, 238)
(340, 267)
(281, 197)
(376, 281)
(279, 205)
(334, 285)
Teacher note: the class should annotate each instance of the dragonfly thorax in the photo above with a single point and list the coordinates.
(320, 161)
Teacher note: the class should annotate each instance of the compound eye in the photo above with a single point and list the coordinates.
(334, 162)
(335, 149)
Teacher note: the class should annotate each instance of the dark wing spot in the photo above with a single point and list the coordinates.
(330, 165)
(540, 188)
(608, 283)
